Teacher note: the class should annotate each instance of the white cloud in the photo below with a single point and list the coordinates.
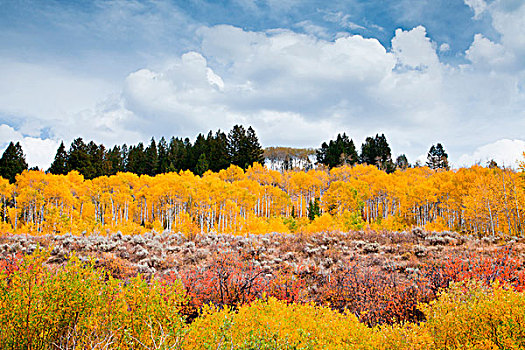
(508, 18)
(313, 29)
(299, 90)
(279, 128)
(414, 50)
(478, 6)
(38, 152)
(487, 54)
(181, 97)
(46, 92)
(280, 68)
(342, 19)
(445, 47)
(296, 89)
(505, 152)
(8, 134)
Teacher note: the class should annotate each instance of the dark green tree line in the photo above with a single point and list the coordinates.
(337, 152)
(215, 152)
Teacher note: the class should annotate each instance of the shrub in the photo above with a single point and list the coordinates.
(274, 324)
(228, 280)
(473, 315)
(499, 265)
(375, 297)
(38, 305)
(77, 305)
(287, 286)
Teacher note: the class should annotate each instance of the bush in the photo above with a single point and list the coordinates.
(228, 280)
(77, 305)
(374, 296)
(274, 324)
(472, 315)
(499, 265)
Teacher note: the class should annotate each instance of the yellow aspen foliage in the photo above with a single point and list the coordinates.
(273, 324)
(471, 315)
(485, 201)
(323, 223)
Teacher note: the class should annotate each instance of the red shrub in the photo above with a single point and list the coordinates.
(499, 265)
(287, 286)
(373, 296)
(228, 280)
(10, 263)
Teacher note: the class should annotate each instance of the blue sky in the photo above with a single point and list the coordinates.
(420, 71)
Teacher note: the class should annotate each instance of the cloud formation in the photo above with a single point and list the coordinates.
(478, 6)
(296, 89)
(508, 153)
(41, 151)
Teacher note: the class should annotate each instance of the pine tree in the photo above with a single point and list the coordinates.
(253, 148)
(115, 160)
(136, 162)
(98, 164)
(402, 162)
(59, 165)
(176, 155)
(200, 147)
(151, 158)
(313, 209)
(339, 152)
(186, 161)
(437, 158)
(243, 147)
(13, 162)
(164, 162)
(78, 157)
(218, 157)
(202, 165)
(369, 152)
(235, 141)
(376, 151)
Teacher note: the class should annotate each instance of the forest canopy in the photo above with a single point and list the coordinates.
(215, 151)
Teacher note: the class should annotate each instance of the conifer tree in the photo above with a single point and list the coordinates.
(235, 145)
(115, 160)
(78, 157)
(376, 151)
(437, 158)
(202, 165)
(164, 162)
(151, 158)
(337, 152)
(136, 162)
(199, 148)
(313, 209)
(13, 162)
(218, 157)
(243, 147)
(59, 165)
(98, 164)
(176, 154)
(254, 149)
(402, 162)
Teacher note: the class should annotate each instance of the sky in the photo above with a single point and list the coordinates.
(299, 72)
